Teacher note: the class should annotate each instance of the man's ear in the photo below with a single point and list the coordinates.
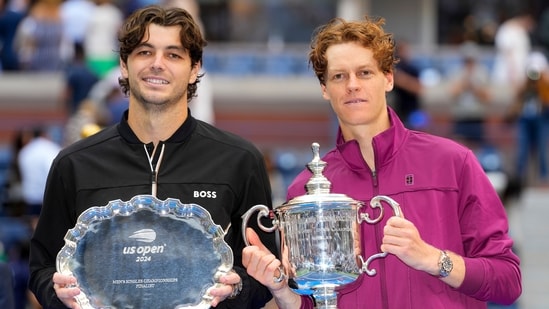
(123, 68)
(325, 94)
(195, 71)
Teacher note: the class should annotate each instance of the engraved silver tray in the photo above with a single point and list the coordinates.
(145, 253)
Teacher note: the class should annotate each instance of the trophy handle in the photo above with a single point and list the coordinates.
(263, 212)
(376, 203)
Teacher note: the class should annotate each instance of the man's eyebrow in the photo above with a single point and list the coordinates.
(170, 47)
(176, 47)
(144, 44)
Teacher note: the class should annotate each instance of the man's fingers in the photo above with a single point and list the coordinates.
(254, 240)
(63, 280)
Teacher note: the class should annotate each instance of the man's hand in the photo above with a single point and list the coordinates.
(66, 289)
(226, 288)
(402, 239)
(260, 263)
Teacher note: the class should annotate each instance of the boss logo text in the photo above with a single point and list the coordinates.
(205, 194)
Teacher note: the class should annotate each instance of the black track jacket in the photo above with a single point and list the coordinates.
(201, 164)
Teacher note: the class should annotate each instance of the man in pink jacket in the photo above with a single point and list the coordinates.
(452, 248)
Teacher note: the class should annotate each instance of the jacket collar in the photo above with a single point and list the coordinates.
(182, 133)
(385, 144)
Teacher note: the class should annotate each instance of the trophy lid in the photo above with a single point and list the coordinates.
(318, 186)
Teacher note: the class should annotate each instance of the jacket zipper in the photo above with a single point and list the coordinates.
(154, 163)
(379, 231)
(379, 235)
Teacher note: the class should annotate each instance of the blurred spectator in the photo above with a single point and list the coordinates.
(84, 122)
(408, 88)
(249, 22)
(19, 5)
(6, 287)
(79, 79)
(101, 42)
(470, 96)
(40, 40)
(9, 21)
(202, 106)
(34, 160)
(19, 263)
(110, 101)
(131, 5)
(542, 31)
(117, 103)
(15, 204)
(513, 44)
(190, 6)
(530, 112)
(75, 15)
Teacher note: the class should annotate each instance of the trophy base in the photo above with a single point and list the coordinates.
(325, 296)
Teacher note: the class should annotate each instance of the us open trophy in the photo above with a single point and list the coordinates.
(320, 237)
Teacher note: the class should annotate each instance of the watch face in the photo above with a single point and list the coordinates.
(446, 265)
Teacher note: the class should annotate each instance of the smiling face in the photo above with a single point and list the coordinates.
(159, 69)
(355, 86)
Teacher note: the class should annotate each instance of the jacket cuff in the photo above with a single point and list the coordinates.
(474, 276)
(307, 302)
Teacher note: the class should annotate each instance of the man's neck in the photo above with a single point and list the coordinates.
(364, 134)
(156, 126)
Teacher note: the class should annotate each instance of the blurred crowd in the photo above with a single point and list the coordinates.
(79, 39)
(504, 86)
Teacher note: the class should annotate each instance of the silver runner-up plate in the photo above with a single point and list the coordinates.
(145, 253)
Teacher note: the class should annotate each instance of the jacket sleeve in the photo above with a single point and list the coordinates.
(492, 268)
(47, 240)
(257, 191)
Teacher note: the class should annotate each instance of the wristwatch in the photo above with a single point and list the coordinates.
(445, 264)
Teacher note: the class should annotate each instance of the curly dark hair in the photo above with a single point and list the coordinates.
(368, 33)
(135, 29)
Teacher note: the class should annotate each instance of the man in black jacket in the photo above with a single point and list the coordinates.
(157, 149)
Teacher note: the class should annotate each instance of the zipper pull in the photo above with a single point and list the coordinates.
(374, 178)
(153, 182)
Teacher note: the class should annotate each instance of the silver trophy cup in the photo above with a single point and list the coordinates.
(320, 237)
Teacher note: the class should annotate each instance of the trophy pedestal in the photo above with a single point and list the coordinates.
(326, 297)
